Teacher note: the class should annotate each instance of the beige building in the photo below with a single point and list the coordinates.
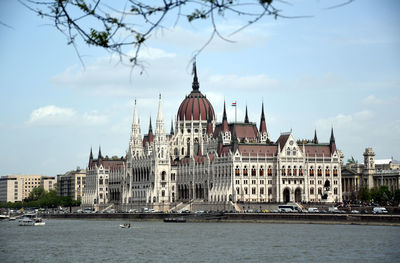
(372, 174)
(72, 183)
(15, 188)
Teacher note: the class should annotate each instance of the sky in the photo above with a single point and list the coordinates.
(338, 68)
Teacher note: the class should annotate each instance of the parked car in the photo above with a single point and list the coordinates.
(313, 210)
(285, 210)
(354, 212)
(333, 210)
(379, 210)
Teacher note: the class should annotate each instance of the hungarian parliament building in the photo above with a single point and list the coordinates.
(205, 162)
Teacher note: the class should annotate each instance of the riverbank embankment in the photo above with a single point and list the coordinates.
(295, 218)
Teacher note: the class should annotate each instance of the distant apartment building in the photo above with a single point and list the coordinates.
(14, 188)
(72, 183)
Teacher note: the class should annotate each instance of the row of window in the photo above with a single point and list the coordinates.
(253, 181)
(253, 191)
(284, 172)
(253, 172)
(290, 181)
(320, 182)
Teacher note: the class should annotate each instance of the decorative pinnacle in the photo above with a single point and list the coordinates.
(246, 117)
(195, 84)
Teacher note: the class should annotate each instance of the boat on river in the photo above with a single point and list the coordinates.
(125, 225)
(31, 220)
(174, 220)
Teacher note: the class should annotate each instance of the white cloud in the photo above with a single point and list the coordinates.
(346, 121)
(373, 100)
(51, 115)
(56, 116)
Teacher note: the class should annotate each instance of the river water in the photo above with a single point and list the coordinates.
(105, 241)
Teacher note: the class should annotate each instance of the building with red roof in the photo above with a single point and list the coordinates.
(202, 161)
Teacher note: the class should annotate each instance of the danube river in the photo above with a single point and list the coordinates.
(145, 241)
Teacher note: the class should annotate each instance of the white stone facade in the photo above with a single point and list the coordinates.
(216, 163)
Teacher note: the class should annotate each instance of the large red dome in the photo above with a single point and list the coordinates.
(196, 105)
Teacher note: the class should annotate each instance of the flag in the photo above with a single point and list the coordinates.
(234, 104)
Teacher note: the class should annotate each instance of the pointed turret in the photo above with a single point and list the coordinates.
(172, 128)
(99, 155)
(136, 143)
(195, 84)
(224, 120)
(159, 114)
(315, 140)
(160, 130)
(332, 143)
(246, 117)
(99, 158)
(90, 158)
(263, 125)
(150, 135)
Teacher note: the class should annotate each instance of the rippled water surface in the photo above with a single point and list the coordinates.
(104, 241)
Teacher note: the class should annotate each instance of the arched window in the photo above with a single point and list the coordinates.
(237, 190)
(288, 151)
(269, 171)
(311, 190)
(335, 172)
(300, 171)
(319, 171)
(188, 147)
(311, 171)
(237, 171)
(335, 190)
(245, 190)
(283, 171)
(327, 171)
(245, 172)
(320, 191)
(163, 176)
(253, 171)
(196, 146)
(294, 152)
(262, 171)
(294, 170)
(289, 171)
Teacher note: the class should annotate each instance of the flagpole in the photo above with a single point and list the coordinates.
(235, 111)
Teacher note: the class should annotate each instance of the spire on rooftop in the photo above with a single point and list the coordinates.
(246, 117)
(195, 84)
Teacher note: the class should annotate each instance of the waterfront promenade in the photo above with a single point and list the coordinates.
(310, 218)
